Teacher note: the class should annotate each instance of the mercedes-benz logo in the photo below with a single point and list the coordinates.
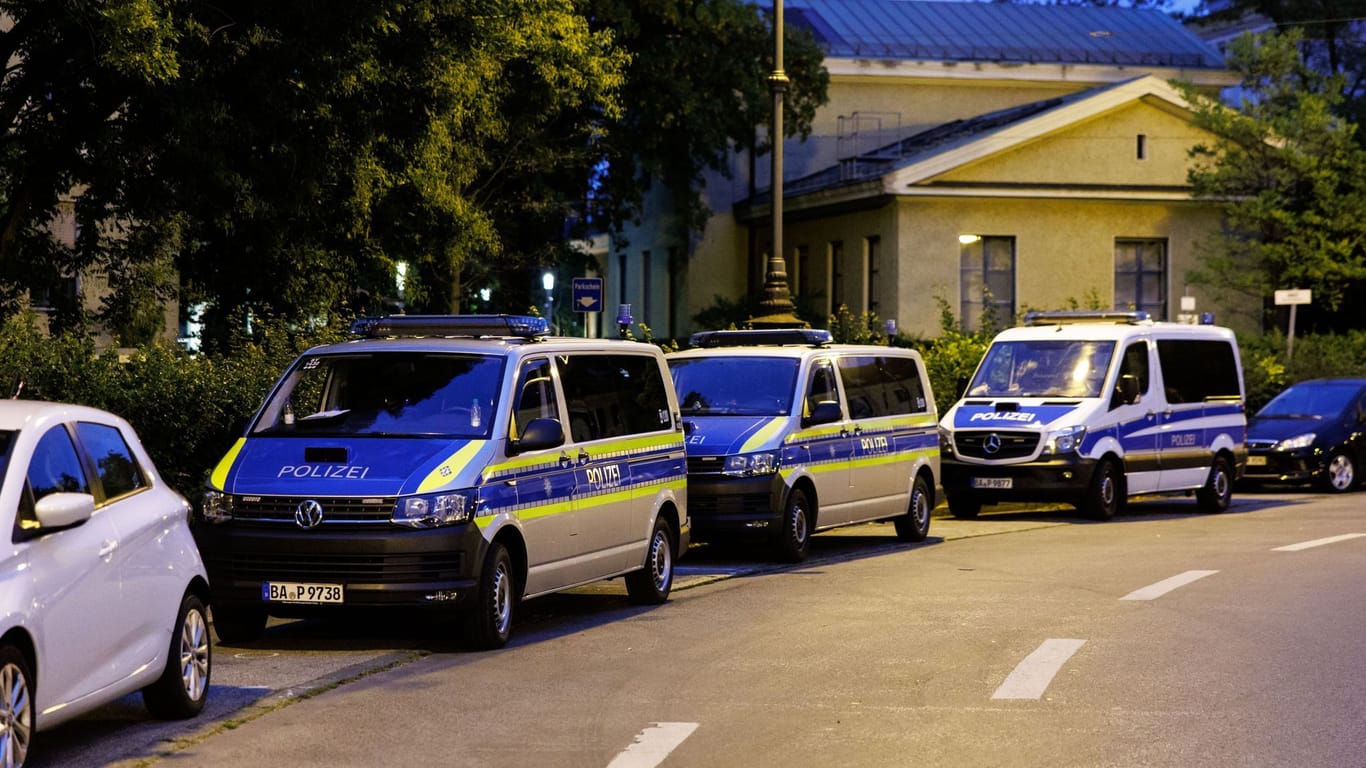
(992, 444)
(308, 514)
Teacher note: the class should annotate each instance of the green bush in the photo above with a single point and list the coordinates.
(1267, 369)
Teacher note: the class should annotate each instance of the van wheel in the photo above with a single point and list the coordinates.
(238, 623)
(1105, 497)
(964, 507)
(1218, 490)
(1340, 474)
(488, 624)
(915, 524)
(16, 706)
(794, 541)
(650, 585)
(180, 691)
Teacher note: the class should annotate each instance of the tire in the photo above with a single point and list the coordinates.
(488, 622)
(184, 685)
(964, 507)
(794, 540)
(16, 706)
(238, 623)
(1340, 473)
(915, 524)
(1218, 489)
(651, 584)
(1105, 497)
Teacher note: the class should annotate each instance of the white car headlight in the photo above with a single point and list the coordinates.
(751, 464)
(1293, 443)
(435, 510)
(1065, 440)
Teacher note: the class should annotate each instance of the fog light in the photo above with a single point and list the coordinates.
(1067, 475)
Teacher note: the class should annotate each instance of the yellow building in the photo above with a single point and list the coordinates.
(1034, 156)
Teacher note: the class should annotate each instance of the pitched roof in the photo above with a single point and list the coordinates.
(974, 31)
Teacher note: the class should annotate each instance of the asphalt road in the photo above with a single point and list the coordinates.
(1165, 637)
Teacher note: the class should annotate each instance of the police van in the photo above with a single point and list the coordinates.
(788, 434)
(1092, 408)
(457, 462)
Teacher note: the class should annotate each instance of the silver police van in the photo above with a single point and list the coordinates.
(788, 434)
(452, 462)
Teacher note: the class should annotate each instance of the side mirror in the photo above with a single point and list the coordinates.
(64, 510)
(1128, 389)
(825, 412)
(539, 434)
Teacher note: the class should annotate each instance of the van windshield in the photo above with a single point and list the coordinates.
(734, 386)
(1052, 368)
(389, 394)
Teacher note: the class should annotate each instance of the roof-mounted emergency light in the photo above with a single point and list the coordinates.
(1064, 317)
(775, 337)
(516, 326)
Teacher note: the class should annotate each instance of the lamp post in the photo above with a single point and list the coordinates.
(548, 282)
(777, 301)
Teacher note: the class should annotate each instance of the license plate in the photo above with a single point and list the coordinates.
(295, 592)
(1256, 461)
(992, 482)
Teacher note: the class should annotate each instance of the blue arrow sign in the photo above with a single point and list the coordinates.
(588, 294)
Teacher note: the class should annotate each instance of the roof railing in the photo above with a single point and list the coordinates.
(768, 337)
(472, 326)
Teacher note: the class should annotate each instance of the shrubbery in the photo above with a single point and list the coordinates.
(1267, 370)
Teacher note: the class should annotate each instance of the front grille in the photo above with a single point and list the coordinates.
(1261, 445)
(339, 568)
(1013, 445)
(723, 505)
(706, 465)
(279, 510)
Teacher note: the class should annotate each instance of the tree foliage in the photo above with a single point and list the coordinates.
(1291, 175)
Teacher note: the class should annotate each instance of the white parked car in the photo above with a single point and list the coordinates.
(102, 591)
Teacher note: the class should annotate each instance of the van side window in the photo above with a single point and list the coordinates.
(1196, 370)
(118, 470)
(1134, 363)
(822, 387)
(535, 396)
(613, 395)
(881, 386)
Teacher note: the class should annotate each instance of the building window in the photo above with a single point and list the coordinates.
(65, 292)
(987, 276)
(1141, 146)
(873, 265)
(1141, 276)
(834, 268)
(803, 278)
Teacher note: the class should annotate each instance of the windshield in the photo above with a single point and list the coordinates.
(734, 386)
(393, 394)
(1053, 368)
(1311, 400)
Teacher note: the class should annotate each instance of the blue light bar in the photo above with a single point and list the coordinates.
(514, 326)
(1064, 317)
(775, 337)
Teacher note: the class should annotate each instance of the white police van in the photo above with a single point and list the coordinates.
(1091, 408)
(788, 434)
(457, 462)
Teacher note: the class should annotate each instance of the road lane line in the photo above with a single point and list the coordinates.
(1031, 678)
(653, 745)
(1318, 542)
(1154, 591)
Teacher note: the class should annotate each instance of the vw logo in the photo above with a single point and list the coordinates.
(309, 514)
(992, 444)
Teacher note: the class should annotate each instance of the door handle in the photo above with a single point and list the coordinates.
(583, 456)
(107, 548)
(564, 460)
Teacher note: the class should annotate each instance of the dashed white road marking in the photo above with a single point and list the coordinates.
(652, 745)
(1318, 542)
(1031, 677)
(1154, 591)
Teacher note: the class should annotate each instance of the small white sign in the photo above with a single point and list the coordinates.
(1294, 296)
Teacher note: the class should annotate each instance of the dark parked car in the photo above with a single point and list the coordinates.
(1314, 431)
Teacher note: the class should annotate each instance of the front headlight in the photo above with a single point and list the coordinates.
(1065, 440)
(436, 510)
(945, 441)
(1296, 442)
(217, 507)
(751, 464)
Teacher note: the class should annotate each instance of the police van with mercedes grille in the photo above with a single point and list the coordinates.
(1092, 408)
(789, 434)
(461, 463)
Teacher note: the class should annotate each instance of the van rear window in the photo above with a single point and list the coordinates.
(1196, 370)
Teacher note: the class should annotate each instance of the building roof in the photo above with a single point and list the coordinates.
(974, 31)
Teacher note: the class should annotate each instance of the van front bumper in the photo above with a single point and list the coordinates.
(376, 568)
(1063, 479)
(734, 507)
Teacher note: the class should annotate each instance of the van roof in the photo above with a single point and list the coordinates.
(1112, 330)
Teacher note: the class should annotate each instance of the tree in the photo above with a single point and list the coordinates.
(1290, 174)
(696, 87)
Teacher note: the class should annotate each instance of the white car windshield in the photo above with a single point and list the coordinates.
(393, 394)
(1035, 368)
(734, 386)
